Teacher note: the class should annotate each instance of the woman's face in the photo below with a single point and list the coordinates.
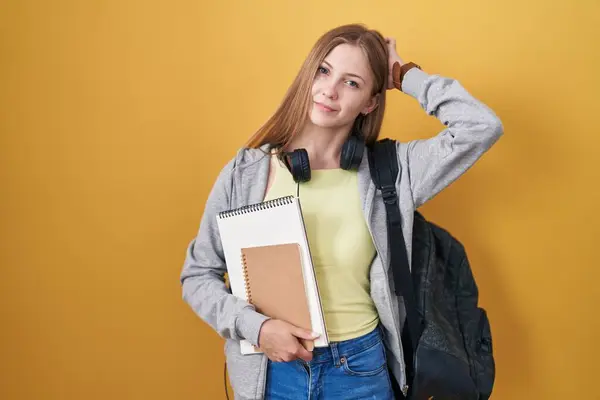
(342, 88)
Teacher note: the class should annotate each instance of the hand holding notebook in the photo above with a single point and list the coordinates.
(282, 341)
(275, 284)
(270, 266)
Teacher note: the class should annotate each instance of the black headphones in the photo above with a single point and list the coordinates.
(350, 158)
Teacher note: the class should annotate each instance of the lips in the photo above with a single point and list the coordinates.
(324, 107)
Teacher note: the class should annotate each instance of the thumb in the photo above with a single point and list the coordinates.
(304, 333)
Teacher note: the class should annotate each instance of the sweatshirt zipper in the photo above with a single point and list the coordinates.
(265, 365)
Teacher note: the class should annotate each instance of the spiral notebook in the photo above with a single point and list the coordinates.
(256, 238)
(274, 284)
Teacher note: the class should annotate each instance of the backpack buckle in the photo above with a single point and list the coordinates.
(389, 195)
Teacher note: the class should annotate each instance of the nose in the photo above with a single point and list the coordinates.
(330, 90)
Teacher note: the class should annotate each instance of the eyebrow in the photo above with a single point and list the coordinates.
(347, 73)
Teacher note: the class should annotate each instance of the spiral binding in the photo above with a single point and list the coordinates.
(246, 279)
(256, 207)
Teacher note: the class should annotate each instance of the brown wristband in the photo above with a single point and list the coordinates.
(398, 72)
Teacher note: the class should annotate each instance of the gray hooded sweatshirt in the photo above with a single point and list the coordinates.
(426, 167)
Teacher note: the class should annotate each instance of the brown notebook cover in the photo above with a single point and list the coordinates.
(275, 284)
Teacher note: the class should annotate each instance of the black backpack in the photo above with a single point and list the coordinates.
(446, 339)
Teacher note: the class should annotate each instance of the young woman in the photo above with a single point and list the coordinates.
(339, 94)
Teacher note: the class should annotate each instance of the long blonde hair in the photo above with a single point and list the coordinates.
(292, 113)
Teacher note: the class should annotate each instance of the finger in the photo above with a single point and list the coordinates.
(303, 353)
(289, 357)
(273, 358)
(304, 334)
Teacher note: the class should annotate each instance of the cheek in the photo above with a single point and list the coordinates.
(354, 103)
(315, 89)
(316, 86)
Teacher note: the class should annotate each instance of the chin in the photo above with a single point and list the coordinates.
(323, 121)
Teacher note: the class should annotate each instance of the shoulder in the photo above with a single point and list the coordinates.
(243, 158)
(246, 157)
(400, 148)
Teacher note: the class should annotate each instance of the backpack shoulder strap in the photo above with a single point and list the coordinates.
(384, 167)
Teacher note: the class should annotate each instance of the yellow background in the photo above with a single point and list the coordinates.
(116, 116)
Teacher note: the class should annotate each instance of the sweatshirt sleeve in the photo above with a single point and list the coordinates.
(471, 129)
(202, 276)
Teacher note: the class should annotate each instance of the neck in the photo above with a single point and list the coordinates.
(323, 145)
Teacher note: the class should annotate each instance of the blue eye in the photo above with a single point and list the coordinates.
(353, 84)
(323, 70)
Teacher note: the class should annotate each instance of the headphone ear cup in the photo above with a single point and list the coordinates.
(352, 153)
(299, 165)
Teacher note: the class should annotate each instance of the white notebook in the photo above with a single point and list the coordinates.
(277, 221)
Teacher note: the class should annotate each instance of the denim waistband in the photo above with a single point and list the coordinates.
(336, 350)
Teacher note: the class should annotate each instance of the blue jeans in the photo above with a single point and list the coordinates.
(351, 369)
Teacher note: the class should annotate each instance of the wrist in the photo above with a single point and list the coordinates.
(399, 70)
(249, 324)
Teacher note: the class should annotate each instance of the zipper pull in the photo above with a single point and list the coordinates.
(405, 390)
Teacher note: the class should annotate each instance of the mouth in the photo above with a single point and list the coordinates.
(323, 107)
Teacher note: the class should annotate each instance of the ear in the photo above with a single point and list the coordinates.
(371, 105)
